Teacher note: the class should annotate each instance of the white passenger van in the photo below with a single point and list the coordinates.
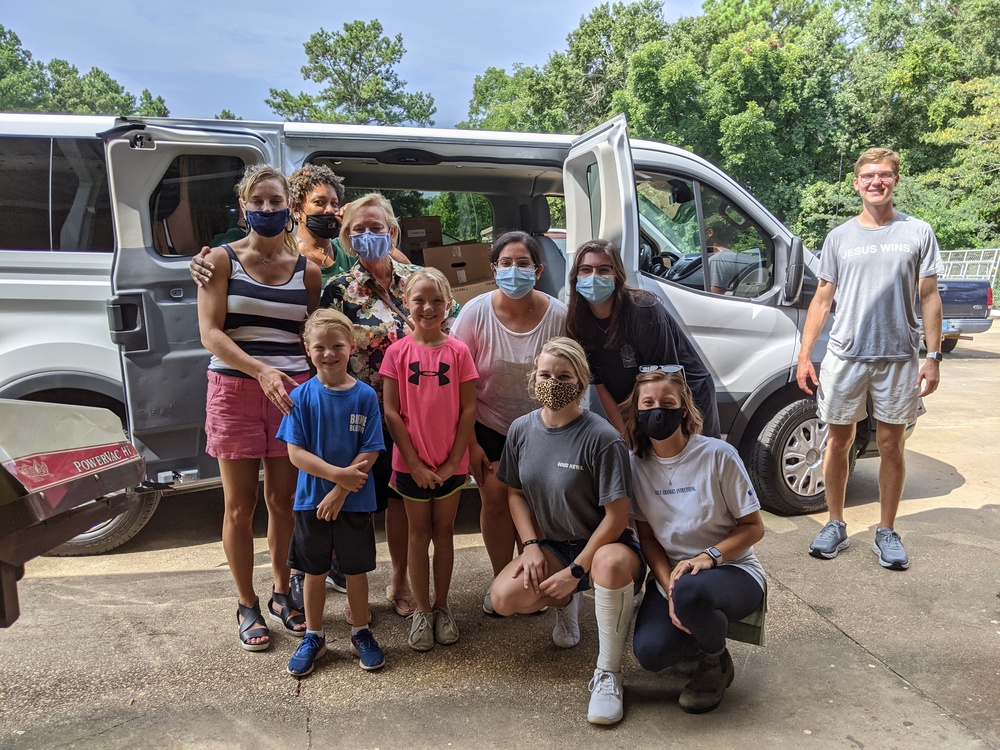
(99, 217)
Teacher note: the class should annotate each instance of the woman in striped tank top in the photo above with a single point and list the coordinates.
(251, 314)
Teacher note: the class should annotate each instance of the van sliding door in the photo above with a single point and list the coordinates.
(172, 193)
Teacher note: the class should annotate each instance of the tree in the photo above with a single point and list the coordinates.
(227, 115)
(30, 86)
(22, 79)
(362, 86)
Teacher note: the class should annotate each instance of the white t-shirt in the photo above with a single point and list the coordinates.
(504, 358)
(691, 501)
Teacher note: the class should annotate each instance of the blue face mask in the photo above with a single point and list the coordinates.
(371, 246)
(268, 223)
(515, 282)
(594, 288)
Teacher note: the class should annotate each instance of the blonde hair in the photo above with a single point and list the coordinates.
(431, 274)
(253, 174)
(376, 200)
(572, 352)
(637, 441)
(874, 156)
(325, 319)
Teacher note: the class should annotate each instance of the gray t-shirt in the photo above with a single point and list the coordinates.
(876, 271)
(723, 268)
(566, 473)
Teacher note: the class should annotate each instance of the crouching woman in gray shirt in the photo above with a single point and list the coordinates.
(569, 483)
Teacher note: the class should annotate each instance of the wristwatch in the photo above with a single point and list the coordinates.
(714, 554)
(577, 571)
(936, 356)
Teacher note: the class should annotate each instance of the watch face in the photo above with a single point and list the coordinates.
(577, 571)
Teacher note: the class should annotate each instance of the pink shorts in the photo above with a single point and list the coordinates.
(240, 421)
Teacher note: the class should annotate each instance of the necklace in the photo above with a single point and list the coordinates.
(263, 260)
(602, 329)
(670, 474)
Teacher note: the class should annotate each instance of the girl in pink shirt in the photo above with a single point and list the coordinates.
(429, 393)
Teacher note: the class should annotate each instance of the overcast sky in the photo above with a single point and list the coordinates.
(203, 56)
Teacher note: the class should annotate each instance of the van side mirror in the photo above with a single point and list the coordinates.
(792, 287)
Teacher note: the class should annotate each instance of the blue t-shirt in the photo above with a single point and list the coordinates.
(336, 426)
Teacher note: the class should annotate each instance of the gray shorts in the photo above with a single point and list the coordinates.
(844, 386)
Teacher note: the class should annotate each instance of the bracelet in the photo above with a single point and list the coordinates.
(530, 541)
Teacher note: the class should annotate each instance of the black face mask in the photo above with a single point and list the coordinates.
(660, 424)
(323, 225)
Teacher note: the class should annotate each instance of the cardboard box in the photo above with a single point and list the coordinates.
(422, 231)
(463, 294)
(463, 263)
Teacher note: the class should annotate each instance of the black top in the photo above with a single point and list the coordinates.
(651, 337)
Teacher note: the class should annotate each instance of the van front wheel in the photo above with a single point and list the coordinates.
(113, 532)
(786, 463)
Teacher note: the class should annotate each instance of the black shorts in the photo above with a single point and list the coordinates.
(410, 490)
(351, 535)
(566, 552)
(491, 441)
(382, 474)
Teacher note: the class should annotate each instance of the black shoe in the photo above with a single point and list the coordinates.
(296, 593)
(335, 579)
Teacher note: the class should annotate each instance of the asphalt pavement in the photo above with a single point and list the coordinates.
(138, 648)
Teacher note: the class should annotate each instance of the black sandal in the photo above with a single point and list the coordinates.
(286, 614)
(252, 625)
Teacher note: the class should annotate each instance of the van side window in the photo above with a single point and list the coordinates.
(195, 204)
(54, 195)
(739, 257)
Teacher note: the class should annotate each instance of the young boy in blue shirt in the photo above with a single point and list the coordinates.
(334, 435)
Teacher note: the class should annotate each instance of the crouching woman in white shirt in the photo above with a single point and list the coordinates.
(697, 517)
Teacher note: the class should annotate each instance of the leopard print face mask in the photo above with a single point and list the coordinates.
(556, 394)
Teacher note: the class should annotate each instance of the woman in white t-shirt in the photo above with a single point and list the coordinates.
(504, 329)
(697, 517)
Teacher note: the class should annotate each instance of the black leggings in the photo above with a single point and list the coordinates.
(705, 603)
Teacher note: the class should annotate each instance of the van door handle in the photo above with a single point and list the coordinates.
(125, 322)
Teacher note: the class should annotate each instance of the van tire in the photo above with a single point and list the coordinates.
(786, 463)
(112, 533)
(948, 345)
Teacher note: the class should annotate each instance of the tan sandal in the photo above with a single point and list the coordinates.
(404, 605)
(349, 616)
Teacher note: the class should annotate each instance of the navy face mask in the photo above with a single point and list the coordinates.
(660, 424)
(268, 223)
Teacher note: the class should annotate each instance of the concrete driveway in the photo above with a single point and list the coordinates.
(138, 649)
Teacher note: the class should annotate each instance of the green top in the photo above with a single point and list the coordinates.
(341, 263)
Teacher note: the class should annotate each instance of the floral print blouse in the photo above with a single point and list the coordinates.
(376, 324)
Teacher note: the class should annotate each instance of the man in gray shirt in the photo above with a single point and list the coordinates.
(874, 263)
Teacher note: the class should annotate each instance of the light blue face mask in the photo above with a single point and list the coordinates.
(515, 282)
(594, 288)
(371, 246)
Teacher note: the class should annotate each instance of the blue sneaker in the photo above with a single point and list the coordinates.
(889, 548)
(305, 656)
(367, 650)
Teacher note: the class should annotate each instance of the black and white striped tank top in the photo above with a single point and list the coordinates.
(265, 320)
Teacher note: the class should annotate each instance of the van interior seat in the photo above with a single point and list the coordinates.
(540, 220)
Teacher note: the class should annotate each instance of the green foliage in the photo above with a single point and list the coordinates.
(361, 86)
(404, 202)
(227, 115)
(27, 85)
(463, 215)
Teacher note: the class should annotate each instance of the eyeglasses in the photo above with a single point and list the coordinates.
(664, 368)
(599, 270)
(867, 179)
(523, 263)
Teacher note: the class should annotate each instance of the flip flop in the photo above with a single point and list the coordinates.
(404, 606)
(349, 616)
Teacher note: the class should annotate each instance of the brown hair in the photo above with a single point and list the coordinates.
(304, 180)
(622, 299)
(874, 156)
(638, 442)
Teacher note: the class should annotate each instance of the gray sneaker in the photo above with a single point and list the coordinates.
(831, 539)
(889, 548)
(421, 631)
(445, 628)
(606, 705)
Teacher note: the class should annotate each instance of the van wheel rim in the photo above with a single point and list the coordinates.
(802, 458)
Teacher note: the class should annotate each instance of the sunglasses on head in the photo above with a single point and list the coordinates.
(664, 368)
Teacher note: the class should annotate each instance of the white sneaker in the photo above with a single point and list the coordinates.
(606, 705)
(566, 633)
(488, 605)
